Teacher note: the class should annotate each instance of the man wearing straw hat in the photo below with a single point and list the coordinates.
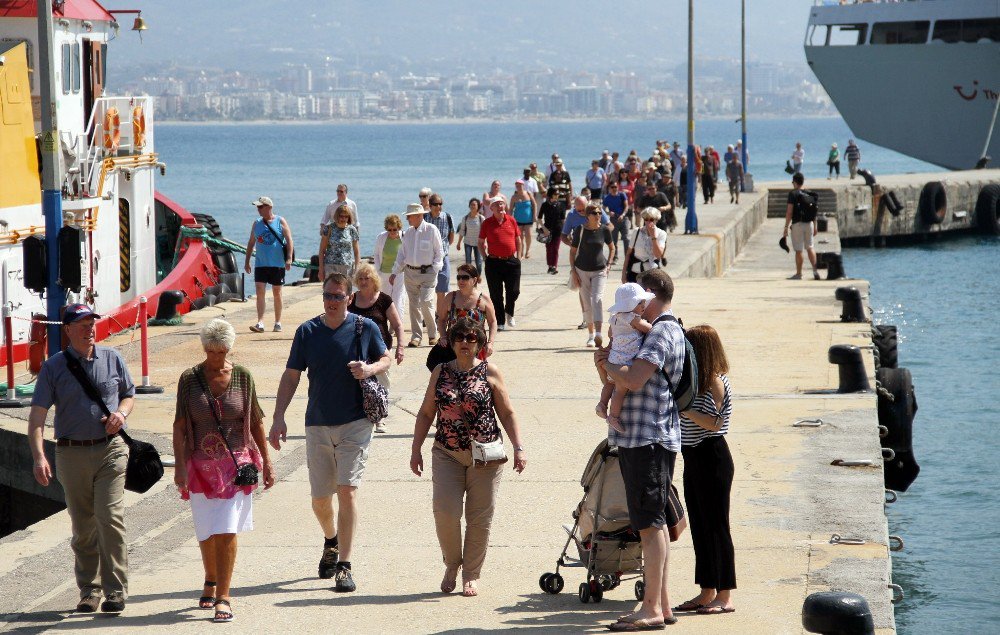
(420, 258)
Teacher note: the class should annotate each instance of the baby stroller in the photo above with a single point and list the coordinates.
(607, 546)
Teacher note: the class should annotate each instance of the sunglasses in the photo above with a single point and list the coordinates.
(341, 191)
(423, 196)
(463, 276)
(468, 338)
(334, 297)
(593, 213)
(437, 204)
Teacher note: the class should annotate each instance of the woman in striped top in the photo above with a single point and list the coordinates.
(708, 476)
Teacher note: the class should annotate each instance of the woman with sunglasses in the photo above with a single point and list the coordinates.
(466, 302)
(467, 396)
(590, 269)
(338, 249)
(649, 247)
(387, 246)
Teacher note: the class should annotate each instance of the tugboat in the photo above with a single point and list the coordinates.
(120, 239)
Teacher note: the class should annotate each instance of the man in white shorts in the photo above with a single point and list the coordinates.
(802, 224)
(337, 431)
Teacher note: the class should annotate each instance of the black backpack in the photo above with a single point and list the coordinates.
(687, 388)
(808, 205)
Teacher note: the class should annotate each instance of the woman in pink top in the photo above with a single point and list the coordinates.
(218, 425)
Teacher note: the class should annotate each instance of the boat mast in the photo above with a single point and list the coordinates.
(52, 170)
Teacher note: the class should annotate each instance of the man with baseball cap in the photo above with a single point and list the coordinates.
(90, 456)
(420, 258)
(271, 246)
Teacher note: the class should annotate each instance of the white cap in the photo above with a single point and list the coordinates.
(263, 200)
(628, 296)
(414, 208)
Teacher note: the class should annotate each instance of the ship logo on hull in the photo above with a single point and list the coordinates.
(961, 91)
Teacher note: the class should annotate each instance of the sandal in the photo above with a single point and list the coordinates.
(222, 615)
(470, 589)
(207, 601)
(690, 605)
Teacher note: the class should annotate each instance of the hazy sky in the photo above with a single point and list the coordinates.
(433, 34)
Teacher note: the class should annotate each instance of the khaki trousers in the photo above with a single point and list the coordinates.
(456, 484)
(93, 479)
(420, 295)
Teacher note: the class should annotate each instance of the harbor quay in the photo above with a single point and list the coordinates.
(788, 500)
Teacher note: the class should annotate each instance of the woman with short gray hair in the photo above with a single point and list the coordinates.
(648, 249)
(218, 436)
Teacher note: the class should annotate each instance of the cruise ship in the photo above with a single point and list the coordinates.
(921, 77)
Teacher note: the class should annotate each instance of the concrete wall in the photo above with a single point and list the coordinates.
(16, 466)
(729, 242)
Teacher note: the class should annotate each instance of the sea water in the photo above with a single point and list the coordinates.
(943, 295)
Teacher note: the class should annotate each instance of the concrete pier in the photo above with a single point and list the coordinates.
(787, 498)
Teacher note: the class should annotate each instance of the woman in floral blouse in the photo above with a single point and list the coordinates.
(466, 396)
(338, 248)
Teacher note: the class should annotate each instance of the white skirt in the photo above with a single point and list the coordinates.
(221, 515)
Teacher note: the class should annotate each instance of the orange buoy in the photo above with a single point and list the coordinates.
(138, 127)
(112, 129)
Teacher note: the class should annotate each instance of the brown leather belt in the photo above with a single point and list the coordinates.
(86, 443)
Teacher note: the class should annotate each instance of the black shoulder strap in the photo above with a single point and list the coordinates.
(73, 364)
(664, 318)
(211, 406)
(281, 241)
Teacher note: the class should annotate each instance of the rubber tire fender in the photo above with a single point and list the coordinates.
(897, 415)
(988, 209)
(212, 226)
(933, 205)
(886, 339)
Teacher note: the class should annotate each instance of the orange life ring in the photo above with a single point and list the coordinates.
(138, 127)
(112, 129)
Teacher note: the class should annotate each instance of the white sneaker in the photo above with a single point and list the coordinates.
(380, 427)
(277, 327)
(258, 327)
(590, 342)
(501, 327)
(510, 321)
(581, 325)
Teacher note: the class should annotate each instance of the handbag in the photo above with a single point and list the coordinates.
(246, 473)
(144, 467)
(375, 398)
(439, 355)
(483, 454)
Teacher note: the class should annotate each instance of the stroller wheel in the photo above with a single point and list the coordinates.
(542, 582)
(555, 584)
(584, 592)
(596, 591)
(640, 590)
(606, 582)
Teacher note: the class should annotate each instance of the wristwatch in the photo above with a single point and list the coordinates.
(519, 448)
(123, 414)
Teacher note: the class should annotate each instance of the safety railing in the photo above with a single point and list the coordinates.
(118, 127)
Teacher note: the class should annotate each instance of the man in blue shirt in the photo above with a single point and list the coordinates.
(271, 238)
(337, 431)
(90, 456)
(616, 204)
(595, 181)
(446, 227)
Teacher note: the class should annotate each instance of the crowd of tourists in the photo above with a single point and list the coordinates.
(223, 452)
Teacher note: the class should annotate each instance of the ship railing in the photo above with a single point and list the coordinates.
(99, 142)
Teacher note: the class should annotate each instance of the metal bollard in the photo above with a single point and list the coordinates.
(835, 267)
(166, 307)
(853, 376)
(853, 309)
(835, 613)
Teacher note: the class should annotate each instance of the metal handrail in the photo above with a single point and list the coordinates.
(95, 153)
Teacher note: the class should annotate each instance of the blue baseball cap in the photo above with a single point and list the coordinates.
(76, 312)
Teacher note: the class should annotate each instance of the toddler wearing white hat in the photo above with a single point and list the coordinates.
(626, 330)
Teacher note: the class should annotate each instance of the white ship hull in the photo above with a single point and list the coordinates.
(934, 101)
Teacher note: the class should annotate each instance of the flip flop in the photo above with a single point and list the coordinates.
(223, 615)
(716, 610)
(690, 605)
(636, 626)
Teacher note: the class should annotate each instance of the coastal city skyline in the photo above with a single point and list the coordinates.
(393, 60)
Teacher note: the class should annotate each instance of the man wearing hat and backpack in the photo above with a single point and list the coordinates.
(271, 246)
(90, 456)
(420, 258)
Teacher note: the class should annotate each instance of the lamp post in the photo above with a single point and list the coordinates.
(743, 75)
(52, 171)
(691, 219)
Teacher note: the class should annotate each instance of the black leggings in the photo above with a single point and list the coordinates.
(834, 165)
(708, 481)
(708, 187)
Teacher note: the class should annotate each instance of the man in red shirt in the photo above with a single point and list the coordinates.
(500, 240)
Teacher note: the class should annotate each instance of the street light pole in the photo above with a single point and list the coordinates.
(691, 219)
(743, 73)
(52, 170)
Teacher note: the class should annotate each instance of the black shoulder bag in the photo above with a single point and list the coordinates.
(144, 467)
(246, 474)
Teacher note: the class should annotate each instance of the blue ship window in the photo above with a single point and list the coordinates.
(914, 32)
(971, 31)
